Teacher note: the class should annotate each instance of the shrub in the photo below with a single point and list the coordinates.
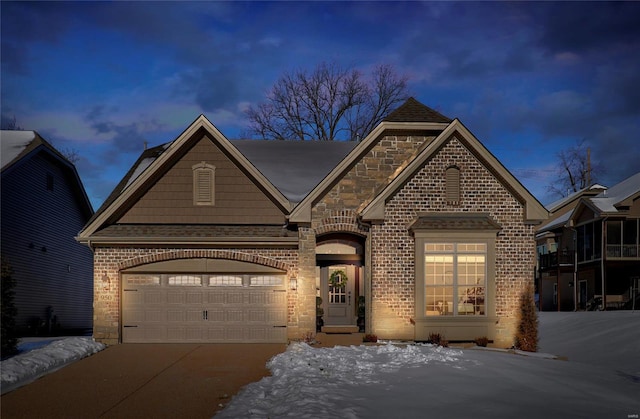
(370, 338)
(8, 335)
(438, 339)
(482, 341)
(527, 334)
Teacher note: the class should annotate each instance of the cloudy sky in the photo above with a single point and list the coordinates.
(528, 79)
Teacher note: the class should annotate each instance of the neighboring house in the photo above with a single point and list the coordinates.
(211, 240)
(593, 245)
(556, 253)
(44, 206)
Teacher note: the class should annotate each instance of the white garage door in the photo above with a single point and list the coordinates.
(192, 307)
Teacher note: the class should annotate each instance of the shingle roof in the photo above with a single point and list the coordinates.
(414, 111)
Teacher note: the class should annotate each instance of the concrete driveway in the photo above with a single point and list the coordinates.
(144, 381)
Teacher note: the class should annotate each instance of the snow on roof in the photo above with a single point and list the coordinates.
(606, 200)
(141, 167)
(563, 201)
(294, 167)
(13, 143)
(556, 222)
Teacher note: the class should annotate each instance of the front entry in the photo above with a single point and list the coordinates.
(340, 282)
(338, 288)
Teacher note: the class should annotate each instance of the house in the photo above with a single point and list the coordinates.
(556, 253)
(211, 240)
(44, 206)
(591, 244)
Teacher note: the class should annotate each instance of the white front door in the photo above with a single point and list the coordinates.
(340, 299)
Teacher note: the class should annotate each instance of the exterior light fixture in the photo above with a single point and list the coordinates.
(293, 284)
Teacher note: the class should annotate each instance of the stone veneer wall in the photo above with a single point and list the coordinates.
(109, 261)
(336, 211)
(393, 267)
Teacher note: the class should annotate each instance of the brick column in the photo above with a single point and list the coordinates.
(306, 310)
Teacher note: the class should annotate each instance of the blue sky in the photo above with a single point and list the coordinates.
(527, 78)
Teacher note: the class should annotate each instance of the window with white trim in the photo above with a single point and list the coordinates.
(455, 278)
(203, 184)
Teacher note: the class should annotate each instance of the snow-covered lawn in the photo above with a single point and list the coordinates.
(588, 366)
(600, 378)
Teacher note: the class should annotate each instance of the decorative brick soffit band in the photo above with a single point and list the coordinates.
(202, 253)
(345, 220)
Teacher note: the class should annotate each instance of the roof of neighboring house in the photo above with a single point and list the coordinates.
(556, 205)
(17, 146)
(619, 195)
(414, 111)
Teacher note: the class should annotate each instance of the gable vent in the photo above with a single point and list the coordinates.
(453, 185)
(203, 184)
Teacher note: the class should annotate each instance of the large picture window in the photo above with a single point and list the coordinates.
(455, 279)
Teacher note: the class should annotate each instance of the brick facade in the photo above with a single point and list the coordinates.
(389, 273)
(393, 245)
(109, 261)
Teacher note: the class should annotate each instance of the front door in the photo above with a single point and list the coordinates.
(340, 300)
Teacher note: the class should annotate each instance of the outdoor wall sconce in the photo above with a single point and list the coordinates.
(293, 284)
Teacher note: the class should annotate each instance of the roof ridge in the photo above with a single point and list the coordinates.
(414, 111)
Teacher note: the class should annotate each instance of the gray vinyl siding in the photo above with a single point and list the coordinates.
(38, 230)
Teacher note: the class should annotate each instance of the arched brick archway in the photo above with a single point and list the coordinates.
(206, 253)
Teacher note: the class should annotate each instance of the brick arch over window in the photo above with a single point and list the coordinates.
(208, 254)
(340, 221)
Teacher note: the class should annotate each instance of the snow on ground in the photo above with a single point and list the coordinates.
(38, 357)
(596, 373)
(599, 378)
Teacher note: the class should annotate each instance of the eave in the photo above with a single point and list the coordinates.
(243, 242)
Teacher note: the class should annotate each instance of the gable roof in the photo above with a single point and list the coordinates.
(534, 210)
(414, 111)
(17, 147)
(612, 201)
(422, 118)
(154, 160)
(561, 210)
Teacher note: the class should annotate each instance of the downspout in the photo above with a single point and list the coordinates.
(575, 268)
(602, 257)
(575, 263)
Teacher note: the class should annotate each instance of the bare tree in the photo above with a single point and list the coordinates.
(327, 104)
(575, 170)
(10, 124)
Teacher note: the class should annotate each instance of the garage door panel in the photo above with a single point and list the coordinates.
(216, 315)
(155, 315)
(175, 315)
(153, 296)
(194, 297)
(175, 297)
(234, 315)
(216, 297)
(235, 297)
(190, 308)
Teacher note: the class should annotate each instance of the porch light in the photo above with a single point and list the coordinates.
(293, 284)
